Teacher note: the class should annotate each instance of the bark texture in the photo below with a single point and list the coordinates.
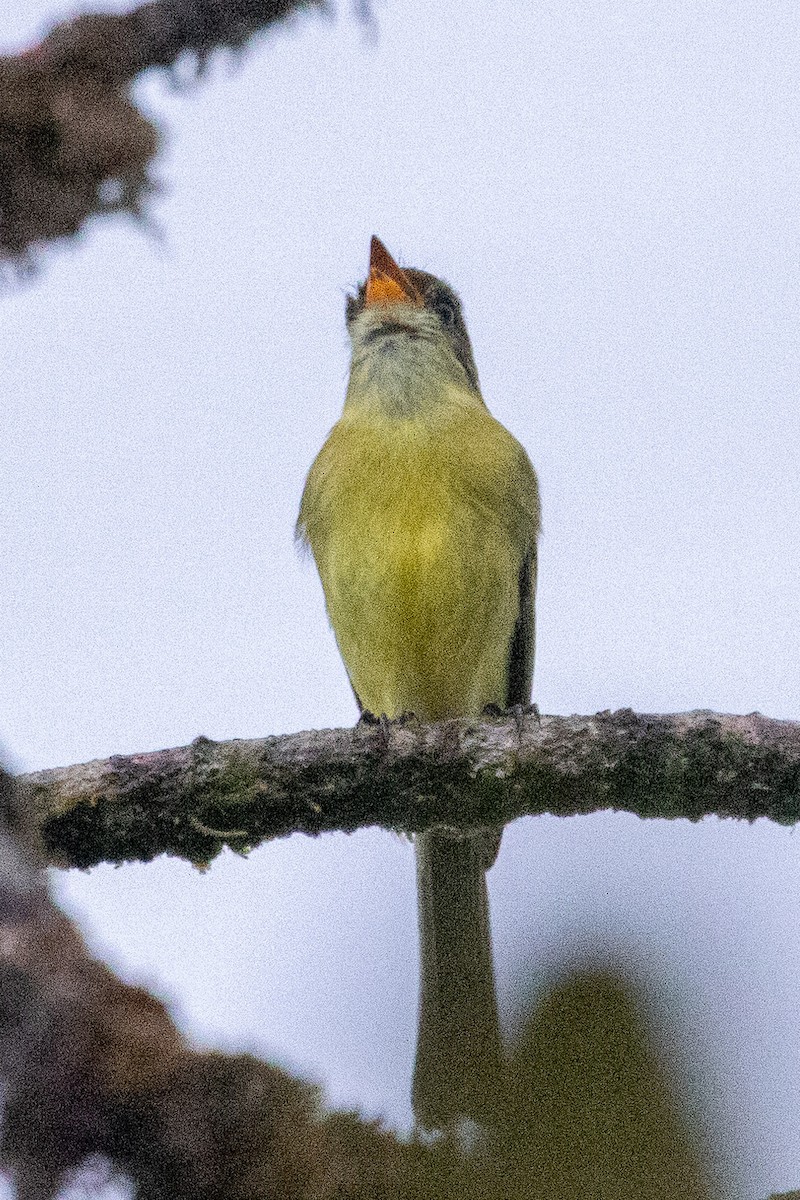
(193, 800)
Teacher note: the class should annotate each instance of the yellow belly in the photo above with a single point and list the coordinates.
(424, 616)
(419, 540)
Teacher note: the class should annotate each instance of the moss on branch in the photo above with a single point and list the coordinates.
(193, 800)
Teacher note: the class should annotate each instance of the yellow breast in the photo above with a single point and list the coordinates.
(419, 529)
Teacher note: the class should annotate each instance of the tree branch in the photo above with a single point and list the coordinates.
(193, 800)
(72, 144)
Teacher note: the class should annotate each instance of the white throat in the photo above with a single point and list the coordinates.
(403, 363)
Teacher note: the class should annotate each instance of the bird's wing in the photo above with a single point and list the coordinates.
(521, 650)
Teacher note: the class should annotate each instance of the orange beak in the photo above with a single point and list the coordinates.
(387, 283)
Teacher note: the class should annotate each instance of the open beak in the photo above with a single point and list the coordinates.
(387, 283)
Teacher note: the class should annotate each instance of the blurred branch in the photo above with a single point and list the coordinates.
(194, 800)
(93, 1069)
(72, 144)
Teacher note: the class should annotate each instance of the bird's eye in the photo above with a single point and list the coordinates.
(447, 312)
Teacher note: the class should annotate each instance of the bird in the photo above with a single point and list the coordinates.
(422, 514)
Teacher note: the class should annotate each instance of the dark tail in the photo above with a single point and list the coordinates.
(460, 1067)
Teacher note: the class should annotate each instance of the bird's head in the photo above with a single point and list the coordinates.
(397, 311)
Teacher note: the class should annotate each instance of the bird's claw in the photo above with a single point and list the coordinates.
(517, 712)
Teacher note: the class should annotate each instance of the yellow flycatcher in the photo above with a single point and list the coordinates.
(422, 513)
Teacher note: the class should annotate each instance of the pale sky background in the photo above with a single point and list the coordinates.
(612, 187)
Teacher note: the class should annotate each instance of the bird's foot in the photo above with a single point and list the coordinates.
(406, 718)
(517, 712)
(385, 724)
(369, 718)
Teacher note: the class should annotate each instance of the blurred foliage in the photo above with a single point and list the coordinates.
(594, 1112)
(72, 143)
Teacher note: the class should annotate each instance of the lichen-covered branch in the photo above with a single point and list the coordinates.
(72, 143)
(194, 800)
